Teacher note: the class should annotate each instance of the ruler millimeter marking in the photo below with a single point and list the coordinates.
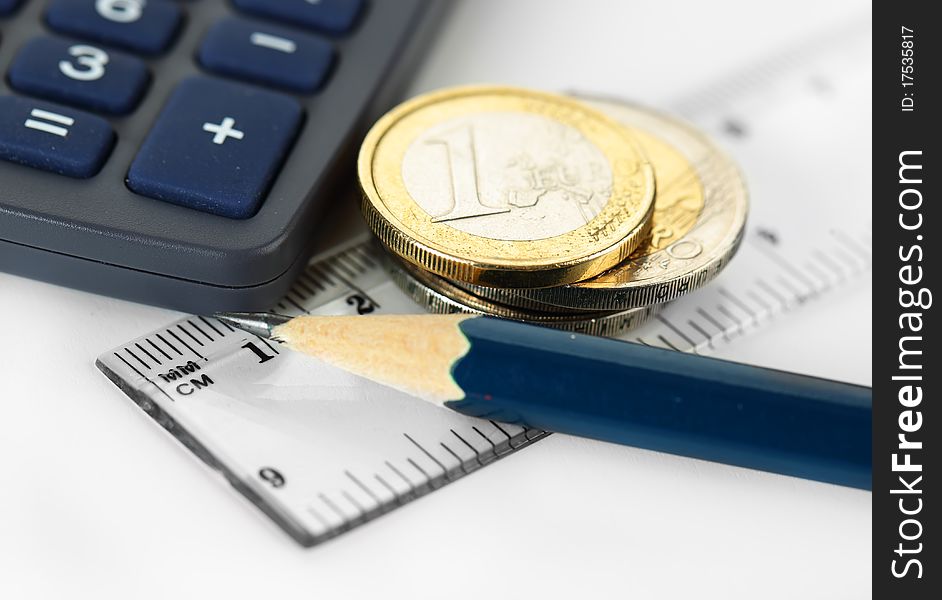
(321, 451)
(317, 463)
(762, 284)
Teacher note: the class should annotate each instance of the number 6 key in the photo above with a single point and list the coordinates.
(135, 25)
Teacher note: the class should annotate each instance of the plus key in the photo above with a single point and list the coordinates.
(216, 147)
(223, 131)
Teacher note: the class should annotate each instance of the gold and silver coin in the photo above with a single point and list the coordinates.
(524, 205)
(505, 187)
(699, 214)
(439, 295)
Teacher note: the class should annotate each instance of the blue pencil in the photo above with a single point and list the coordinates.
(600, 388)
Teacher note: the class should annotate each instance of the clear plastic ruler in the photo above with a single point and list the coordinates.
(321, 451)
(799, 126)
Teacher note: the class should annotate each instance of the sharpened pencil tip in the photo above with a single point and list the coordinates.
(260, 324)
(411, 353)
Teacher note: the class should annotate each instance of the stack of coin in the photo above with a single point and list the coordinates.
(578, 213)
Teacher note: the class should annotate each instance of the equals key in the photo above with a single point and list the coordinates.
(53, 138)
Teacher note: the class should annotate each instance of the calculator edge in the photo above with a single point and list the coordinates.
(271, 269)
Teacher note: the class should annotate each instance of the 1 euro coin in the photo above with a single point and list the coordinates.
(505, 187)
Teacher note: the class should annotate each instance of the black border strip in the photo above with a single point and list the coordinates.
(905, 121)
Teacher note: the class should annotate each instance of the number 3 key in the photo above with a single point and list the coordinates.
(79, 74)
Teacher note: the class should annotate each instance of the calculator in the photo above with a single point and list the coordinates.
(178, 153)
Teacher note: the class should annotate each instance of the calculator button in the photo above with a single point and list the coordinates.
(216, 147)
(8, 6)
(271, 55)
(79, 74)
(53, 138)
(137, 25)
(333, 16)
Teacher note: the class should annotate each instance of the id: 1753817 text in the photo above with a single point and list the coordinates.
(907, 56)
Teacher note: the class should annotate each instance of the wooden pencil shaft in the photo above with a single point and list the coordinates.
(606, 389)
(667, 401)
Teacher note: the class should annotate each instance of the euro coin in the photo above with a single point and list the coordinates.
(439, 295)
(700, 211)
(505, 187)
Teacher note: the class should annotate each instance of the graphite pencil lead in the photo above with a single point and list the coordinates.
(260, 324)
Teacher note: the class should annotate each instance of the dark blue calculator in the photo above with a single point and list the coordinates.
(178, 153)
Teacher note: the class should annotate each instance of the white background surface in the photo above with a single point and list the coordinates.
(96, 501)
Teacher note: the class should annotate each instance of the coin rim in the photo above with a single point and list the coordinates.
(585, 295)
(439, 295)
(540, 268)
